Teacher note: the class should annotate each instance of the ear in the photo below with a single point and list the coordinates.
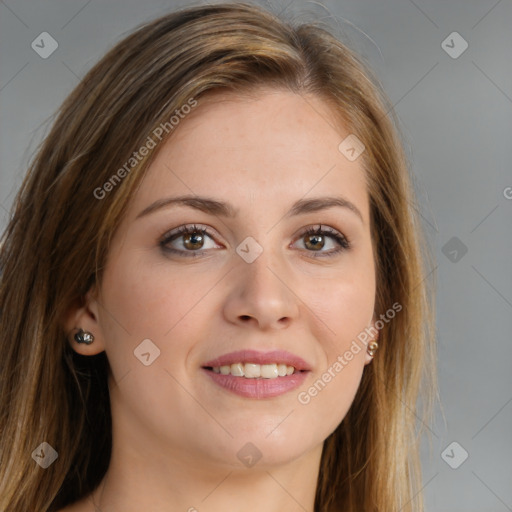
(83, 314)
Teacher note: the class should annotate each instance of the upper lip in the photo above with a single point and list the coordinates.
(253, 356)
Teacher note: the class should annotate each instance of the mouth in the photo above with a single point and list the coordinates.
(253, 374)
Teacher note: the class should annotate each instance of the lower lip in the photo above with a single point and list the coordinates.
(258, 388)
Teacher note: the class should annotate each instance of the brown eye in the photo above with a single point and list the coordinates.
(314, 242)
(315, 239)
(192, 238)
(193, 241)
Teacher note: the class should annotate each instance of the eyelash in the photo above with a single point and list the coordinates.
(343, 242)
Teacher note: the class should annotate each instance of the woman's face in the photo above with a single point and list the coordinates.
(173, 307)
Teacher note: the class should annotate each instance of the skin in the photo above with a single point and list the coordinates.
(176, 433)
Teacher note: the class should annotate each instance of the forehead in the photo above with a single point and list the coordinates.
(267, 118)
(271, 145)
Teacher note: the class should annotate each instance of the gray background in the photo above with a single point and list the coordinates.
(456, 119)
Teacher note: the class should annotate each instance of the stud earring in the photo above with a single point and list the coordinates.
(372, 348)
(84, 337)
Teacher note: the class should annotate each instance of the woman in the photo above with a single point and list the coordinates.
(212, 291)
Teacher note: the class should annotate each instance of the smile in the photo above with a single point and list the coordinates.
(259, 375)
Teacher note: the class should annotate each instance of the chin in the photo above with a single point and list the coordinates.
(262, 447)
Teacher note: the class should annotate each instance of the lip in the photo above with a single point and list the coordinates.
(257, 388)
(254, 356)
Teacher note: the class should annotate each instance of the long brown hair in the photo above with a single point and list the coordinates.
(56, 243)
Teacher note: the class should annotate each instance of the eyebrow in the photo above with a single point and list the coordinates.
(222, 209)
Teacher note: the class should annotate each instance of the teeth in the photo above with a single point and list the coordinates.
(281, 370)
(269, 371)
(237, 369)
(254, 371)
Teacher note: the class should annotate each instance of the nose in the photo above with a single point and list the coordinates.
(262, 294)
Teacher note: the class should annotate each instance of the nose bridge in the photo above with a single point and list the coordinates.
(261, 275)
(262, 289)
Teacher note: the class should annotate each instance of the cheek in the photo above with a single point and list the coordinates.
(152, 300)
(147, 299)
(344, 307)
(345, 302)
(345, 310)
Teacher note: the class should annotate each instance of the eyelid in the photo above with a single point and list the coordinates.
(321, 228)
(189, 226)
